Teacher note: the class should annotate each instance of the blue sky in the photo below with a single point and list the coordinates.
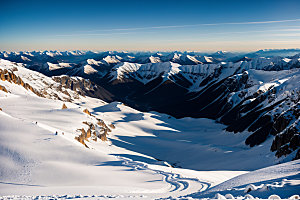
(235, 25)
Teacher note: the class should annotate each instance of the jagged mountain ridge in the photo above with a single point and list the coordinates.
(257, 94)
(111, 58)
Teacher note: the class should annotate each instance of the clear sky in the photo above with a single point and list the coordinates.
(234, 25)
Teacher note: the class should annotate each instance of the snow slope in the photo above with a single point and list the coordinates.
(52, 66)
(35, 161)
(135, 163)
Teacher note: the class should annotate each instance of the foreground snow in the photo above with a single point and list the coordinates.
(283, 179)
(35, 161)
(136, 162)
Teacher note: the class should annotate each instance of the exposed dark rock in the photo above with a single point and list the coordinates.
(283, 151)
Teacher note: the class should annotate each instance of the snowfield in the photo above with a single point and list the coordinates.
(147, 155)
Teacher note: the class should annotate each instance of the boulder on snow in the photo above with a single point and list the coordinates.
(3, 88)
(112, 126)
(64, 107)
(87, 111)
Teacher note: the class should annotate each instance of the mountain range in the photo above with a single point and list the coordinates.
(253, 92)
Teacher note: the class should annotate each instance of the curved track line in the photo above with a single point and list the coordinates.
(176, 181)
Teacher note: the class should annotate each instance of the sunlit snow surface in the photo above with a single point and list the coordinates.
(136, 161)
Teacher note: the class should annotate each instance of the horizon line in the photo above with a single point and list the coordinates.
(181, 51)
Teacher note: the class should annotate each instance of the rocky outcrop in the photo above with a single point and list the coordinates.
(286, 128)
(39, 84)
(287, 141)
(83, 87)
(10, 76)
(102, 124)
(94, 131)
(81, 139)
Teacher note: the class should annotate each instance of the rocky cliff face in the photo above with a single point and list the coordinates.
(83, 87)
(10, 76)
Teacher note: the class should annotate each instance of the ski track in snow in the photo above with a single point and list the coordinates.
(177, 182)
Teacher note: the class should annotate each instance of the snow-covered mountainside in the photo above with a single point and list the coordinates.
(246, 92)
(260, 96)
(228, 122)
